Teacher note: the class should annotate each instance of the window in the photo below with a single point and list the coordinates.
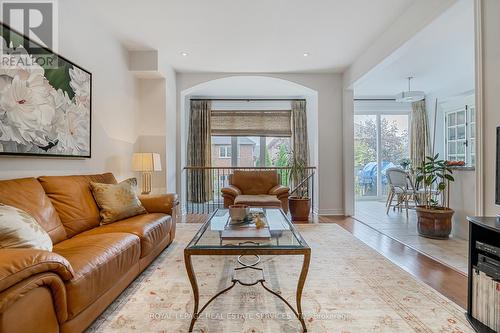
(258, 133)
(460, 135)
(276, 151)
(225, 151)
(380, 142)
(472, 134)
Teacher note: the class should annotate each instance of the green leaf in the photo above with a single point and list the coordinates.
(449, 177)
(59, 78)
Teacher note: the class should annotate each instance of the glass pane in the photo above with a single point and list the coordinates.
(452, 148)
(452, 119)
(472, 146)
(365, 155)
(394, 144)
(283, 234)
(472, 131)
(247, 150)
(472, 114)
(461, 117)
(461, 147)
(221, 147)
(452, 133)
(460, 158)
(278, 150)
(461, 132)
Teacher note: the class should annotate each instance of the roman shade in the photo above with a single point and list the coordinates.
(276, 123)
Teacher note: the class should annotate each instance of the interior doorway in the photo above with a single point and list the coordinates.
(441, 60)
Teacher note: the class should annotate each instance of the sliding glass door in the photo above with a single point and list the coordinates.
(380, 142)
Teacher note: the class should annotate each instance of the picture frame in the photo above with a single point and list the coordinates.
(45, 101)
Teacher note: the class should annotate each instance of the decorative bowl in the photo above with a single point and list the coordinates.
(238, 212)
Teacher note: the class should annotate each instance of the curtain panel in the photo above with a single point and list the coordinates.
(251, 123)
(300, 143)
(199, 152)
(419, 138)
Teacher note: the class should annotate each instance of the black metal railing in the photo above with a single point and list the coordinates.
(219, 178)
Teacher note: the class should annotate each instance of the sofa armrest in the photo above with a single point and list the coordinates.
(161, 203)
(19, 264)
(28, 291)
(279, 191)
(231, 190)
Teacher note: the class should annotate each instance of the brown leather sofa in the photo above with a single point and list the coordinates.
(258, 188)
(90, 265)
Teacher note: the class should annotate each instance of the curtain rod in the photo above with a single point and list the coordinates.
(247, 99)
(374, 99)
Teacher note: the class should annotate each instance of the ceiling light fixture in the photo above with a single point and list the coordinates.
(306, 54)
(184, 54)
(410, 96)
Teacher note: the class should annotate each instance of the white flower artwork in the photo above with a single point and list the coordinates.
(43, 110)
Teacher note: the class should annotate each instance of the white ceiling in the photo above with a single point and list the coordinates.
(251, 36)
(441, 57)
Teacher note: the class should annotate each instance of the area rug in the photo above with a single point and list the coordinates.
(350, 288)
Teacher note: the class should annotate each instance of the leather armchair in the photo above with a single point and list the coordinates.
(258, 188)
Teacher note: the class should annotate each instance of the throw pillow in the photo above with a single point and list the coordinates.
(117, 201)
(18, 229)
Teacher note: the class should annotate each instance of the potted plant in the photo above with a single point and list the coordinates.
(299, 202)
(434, 214)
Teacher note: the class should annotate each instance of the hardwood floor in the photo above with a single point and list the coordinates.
(452, 251)
(449, 282)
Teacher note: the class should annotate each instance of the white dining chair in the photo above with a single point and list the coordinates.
(401, 187)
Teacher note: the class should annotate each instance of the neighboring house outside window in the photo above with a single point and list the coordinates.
(224, 151)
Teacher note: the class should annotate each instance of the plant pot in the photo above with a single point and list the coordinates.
(434, 222)
(299, 208)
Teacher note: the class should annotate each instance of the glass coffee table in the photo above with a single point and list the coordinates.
(284, 240)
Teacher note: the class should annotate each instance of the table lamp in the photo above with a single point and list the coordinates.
(146, 163)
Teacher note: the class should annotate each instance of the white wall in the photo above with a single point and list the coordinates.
(114, 101)
(445, 103)
(491, 99)
(151, 125)
(329, 89)
(463, 189)
(462, 195)
(171, 124)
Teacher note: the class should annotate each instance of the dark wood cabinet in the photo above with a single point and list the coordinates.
(485, 230)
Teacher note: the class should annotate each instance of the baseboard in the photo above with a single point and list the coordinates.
(329, 212)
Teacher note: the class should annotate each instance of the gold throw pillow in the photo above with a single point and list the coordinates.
(18, 229)
(117, 201)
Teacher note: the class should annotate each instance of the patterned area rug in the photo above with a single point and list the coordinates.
(350, 288)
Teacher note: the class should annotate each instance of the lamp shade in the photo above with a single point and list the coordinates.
(146, 162)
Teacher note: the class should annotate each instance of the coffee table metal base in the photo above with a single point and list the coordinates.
(192, 279)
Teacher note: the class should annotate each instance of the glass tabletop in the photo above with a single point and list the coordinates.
(280, 233)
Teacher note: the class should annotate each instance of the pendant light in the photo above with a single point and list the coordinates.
(410, 96)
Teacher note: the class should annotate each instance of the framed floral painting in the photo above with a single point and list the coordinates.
(45, 100)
